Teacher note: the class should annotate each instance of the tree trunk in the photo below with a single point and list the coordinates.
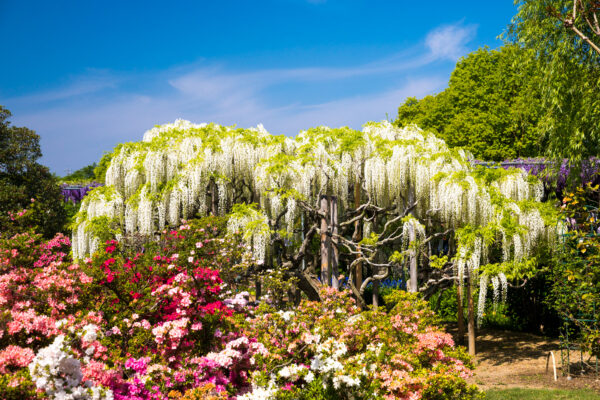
(333, 271)
(325, 242)
(471, 311)
(358, 276)
(308, 284)
(258, 288)
(413, 284)
(375, 290)
(460, 316)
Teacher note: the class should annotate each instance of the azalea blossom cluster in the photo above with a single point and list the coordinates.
(322, 348)
(161, 326)
(57, 372)
(180, 333)
(38, 287)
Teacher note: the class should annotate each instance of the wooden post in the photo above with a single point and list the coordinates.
(333, 271)
(214, 197)
(412, 237)
(325, 241)
(460, 316)
(358, 276)
(375, 289)
(258, 288)
(471, 316)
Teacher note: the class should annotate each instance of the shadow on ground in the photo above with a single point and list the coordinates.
(508, 359)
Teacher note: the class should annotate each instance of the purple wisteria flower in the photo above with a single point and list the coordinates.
(76, 193)
(554, 179)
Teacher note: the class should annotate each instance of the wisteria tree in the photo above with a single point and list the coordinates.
(365, 204)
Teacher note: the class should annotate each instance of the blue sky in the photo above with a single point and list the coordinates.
(86, 75)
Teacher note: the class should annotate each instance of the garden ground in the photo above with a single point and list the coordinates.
(517, 361)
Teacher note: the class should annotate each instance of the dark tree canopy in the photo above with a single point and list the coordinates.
(491, 106)
(19, 146)
(23, 179)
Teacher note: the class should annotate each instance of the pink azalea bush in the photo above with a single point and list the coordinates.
(159, 326)
(165, 325)
(38, 287)
(332, 350)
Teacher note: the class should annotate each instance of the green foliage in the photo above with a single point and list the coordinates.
(25, 184)
(104, 228)
(499, 316)
(85, 174)
(71, 210)
(18, 386)
(372, 241)
(445, 304)
(570, 77)
(102, 166)
(315, 390)
(19, 146)
(524, 310)
(449, 387)
(576, 271)
(491, 106)
(438, 262)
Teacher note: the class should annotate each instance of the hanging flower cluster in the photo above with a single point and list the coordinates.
(181, 169)
(172, 172)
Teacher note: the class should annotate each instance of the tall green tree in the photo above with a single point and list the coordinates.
(491, 106)
(25, 184)
(562, 33)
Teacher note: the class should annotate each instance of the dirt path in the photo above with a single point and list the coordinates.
(514, 359)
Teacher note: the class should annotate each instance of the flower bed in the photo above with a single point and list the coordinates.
(158, 322)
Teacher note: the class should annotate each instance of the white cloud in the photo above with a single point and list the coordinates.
(92, 82)
(78, 121)
(450, 41)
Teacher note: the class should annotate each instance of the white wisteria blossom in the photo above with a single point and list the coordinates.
(183, 169)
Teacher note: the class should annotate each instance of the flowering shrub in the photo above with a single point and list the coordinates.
(165, 324)
(75, 193)
(158, 329)
(332, 350)
(57, 371)
(575, 272)
(156, 322)
(38, 286)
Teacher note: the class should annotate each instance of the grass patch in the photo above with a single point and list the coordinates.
(541, 394)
